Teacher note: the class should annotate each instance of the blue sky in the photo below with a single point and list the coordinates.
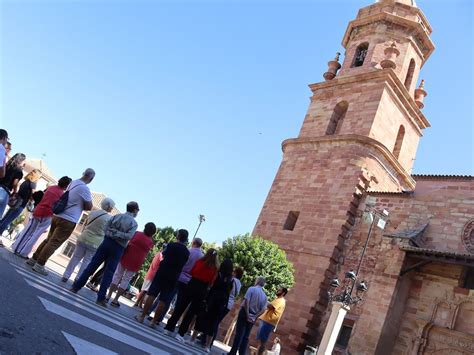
(183, 105)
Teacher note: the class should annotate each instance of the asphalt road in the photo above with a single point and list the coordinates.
(38, 315)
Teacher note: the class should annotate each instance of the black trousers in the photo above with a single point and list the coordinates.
(97, 278)
(193, 296)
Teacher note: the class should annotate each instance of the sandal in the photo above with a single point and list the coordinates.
(138, 318)
(115, 304)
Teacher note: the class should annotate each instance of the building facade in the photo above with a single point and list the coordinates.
(359, 140)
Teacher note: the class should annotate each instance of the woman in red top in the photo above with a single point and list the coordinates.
(155, 264)
(203, 275)
(41, 219)
(131, 261)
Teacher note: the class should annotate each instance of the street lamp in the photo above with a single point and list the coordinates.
(342, 296)
(202, 218)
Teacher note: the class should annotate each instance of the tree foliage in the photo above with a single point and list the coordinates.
(206, 246)
(259, 257)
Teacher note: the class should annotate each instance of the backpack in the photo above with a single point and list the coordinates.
(61, 205)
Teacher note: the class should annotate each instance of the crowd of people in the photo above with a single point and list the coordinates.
(201, 289)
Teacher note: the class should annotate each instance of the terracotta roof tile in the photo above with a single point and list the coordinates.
(441, 177)
(397, 193)
(436, 252)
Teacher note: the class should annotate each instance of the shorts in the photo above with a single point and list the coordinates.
(162, 287)
(264, 331)
(146, 285)
(122, 277)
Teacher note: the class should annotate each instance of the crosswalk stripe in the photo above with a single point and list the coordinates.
(170, 343)
(86, 301)
(98, 311)
(84, 347)
(28, 273)
(99, 327)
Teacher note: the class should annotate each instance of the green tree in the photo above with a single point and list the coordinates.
(259, 257)
(206, 246)
(162, 236)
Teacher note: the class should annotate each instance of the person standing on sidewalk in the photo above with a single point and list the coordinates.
(79, 199)
(234, 293)
(90, 238)
(40, 220)
(4, 154)
(131, 261)
(4, 193)
(21, 199)
(175, 257)
(12, 176)
(155, 264)
(216, 302)
(195, 253)
(9, 182)
(269, 320)
(253, 306)
(203, 275)
(119, 230)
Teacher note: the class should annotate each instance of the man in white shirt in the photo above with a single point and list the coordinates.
(63, 224)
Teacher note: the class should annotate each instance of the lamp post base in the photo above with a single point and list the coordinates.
(338, 312)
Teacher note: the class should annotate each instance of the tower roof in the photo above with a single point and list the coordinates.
(399, 14)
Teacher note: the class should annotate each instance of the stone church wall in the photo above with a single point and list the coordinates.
(395, 304)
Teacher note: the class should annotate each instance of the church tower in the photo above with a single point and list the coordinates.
(361, 132)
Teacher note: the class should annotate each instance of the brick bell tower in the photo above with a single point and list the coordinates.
(361, 131)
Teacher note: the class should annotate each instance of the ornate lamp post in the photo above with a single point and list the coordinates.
(202, 218)
(342, 296)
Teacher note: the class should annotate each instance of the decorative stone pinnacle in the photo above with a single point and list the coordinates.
(391, 53)
(420, 94)
(422, 84)
(333, 67)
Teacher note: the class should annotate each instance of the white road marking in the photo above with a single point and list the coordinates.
(84, 347)
(99, 327)
(85, 304)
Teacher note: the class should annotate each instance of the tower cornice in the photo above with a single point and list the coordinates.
(404, 100)
(421, 28)
(379, 147)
